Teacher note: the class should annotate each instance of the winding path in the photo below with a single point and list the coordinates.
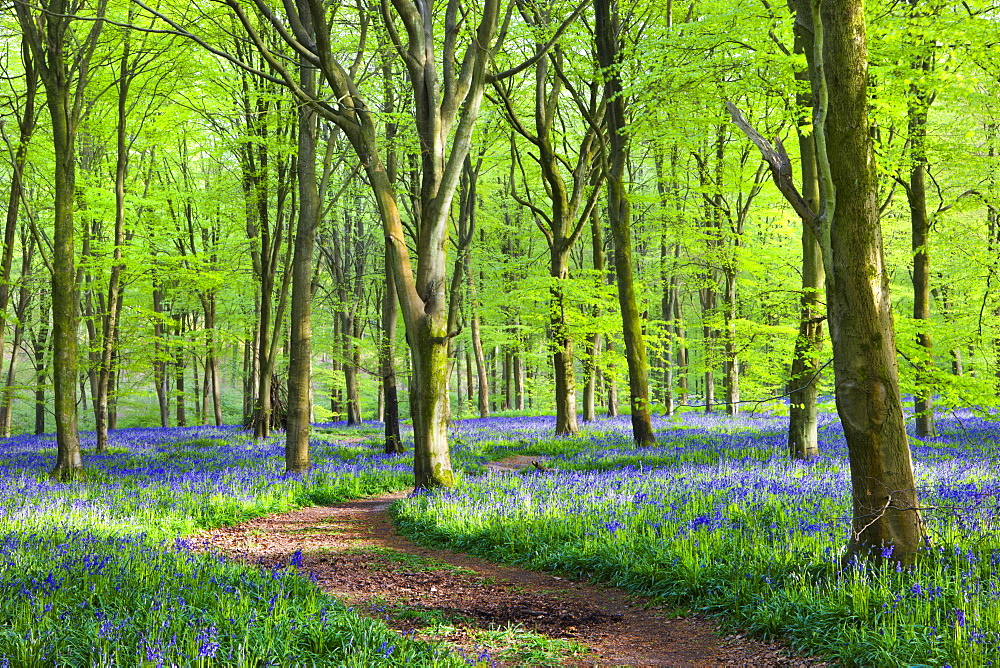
(354, 553)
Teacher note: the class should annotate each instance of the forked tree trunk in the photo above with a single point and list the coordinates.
(886, 520)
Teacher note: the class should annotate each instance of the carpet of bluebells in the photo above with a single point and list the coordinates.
(716, 519)
(97, 573)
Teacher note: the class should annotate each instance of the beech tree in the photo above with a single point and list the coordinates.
(62, 59)
(886, 520)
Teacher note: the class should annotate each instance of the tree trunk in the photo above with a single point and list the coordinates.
(886, 515)
(731, 367)
(508, 379)
(393, 440)
(562, 348)
(803, 439)
(595, 340)
(667, 314)
(24, 297)
(20, 310)
(678, 336)
(69, 459)
(299, 405)
(620, 217)
(109, 321)
(213, 370)
(160, 357)
(477, 347)
(519, 380)
(916, 195)
(179, 368)
(39, 345)
(468, 376)
(26, 122)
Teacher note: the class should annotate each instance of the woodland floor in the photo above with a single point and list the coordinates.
(521, 618)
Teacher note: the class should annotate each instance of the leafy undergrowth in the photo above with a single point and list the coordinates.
(717, 519)
(94, 573)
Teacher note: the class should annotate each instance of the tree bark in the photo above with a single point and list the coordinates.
(595, 340)
(886, 514)
(179, 369)
(620, 217)
(109, 321)
(299, 404)
(393, 440)
(39, 343)
(562, 346)
(919, 101)
(803, 418)
(69, 459)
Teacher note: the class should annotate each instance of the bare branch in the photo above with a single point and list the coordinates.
(781, 167)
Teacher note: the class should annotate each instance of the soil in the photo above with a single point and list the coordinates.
(353, 552)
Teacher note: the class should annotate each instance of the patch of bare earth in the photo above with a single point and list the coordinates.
(353, 552)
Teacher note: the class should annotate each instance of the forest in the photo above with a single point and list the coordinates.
(698, 300)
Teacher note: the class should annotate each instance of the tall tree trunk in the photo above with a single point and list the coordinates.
(594, 341)
(886, 511)
(508, 379)
(803, 419)
(109, 321)
(160, 356)
(63, 61)
(468, 375)
(350, 369)
(620, 217)
(611, 386)
(300, 339)
(393, 440)
(667, 314)
(69, 459)
(679, 337)
(212, 361)
(519, 380)
(919, 102)
(40, 343)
